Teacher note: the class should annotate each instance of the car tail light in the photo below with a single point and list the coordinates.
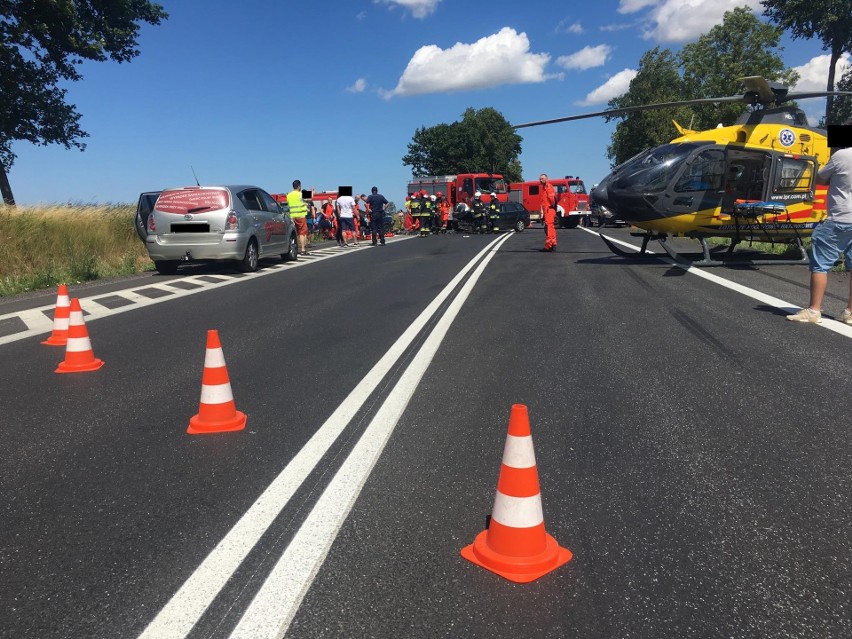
(152, 228)
(232, 224)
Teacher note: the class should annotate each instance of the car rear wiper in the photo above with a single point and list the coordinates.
(199, 208)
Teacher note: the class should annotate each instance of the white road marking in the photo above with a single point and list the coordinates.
(187, 606)
(827, 323)
(38, 323)
(276, 603)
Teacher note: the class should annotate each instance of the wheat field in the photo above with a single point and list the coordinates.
(43, 246)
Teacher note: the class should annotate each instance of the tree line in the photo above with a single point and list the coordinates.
(43, 44)
(741, 46)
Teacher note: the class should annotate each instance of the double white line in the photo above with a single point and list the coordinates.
(275, 605)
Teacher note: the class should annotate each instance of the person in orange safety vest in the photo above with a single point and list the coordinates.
(548, 212)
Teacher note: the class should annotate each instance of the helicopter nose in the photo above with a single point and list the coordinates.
(600, 193)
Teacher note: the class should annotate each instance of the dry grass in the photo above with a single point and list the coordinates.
(41, 247)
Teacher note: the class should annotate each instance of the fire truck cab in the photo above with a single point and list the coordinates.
(459, 189)
(572, 199)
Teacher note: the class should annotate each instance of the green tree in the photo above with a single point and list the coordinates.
(841, 108)
(657, 80)
(42, 42)
(482, 141)
(740, 46)
(828, 20)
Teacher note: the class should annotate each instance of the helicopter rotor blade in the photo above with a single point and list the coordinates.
(815, 94)
(633, 109)
(754, 95)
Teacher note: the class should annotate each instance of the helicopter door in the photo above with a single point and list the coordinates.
(745, 177)
(699, 185)
(792, 178)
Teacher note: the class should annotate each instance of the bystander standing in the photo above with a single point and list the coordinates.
(298, 213)
(377, 204)
(346, 210)
(833, 237)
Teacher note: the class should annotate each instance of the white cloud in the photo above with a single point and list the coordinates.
(566, 26)
(586, 58)
(632, 6)
(359, 86)
(813, 74)
(686, 20)
(418, 8)
(611, 28)
(617, 85)
(502, 58)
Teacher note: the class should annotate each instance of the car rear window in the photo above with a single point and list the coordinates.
(183, 201)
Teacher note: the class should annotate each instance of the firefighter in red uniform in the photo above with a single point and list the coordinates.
(548, 211)
(444, 210)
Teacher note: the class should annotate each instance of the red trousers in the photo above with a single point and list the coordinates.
(549, 228)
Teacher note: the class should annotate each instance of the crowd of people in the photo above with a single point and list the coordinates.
(348, 219)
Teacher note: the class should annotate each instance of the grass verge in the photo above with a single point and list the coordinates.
(41, 247)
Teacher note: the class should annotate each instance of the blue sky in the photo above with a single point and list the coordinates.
(264, 92)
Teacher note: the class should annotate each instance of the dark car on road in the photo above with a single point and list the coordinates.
(511, 216)
(602, 216)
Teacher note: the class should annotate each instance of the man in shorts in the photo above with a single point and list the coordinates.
(298, 213)
(346, 208)
(833, 237)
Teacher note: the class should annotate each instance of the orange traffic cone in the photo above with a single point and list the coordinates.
(61, 315)
(515, 544)
(217, 412)
(79, 357)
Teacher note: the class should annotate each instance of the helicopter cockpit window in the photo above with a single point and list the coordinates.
(655, 169)
(793, 175)
(704, 172)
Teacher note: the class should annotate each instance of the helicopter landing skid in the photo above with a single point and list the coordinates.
(728, 257)
(641, 253)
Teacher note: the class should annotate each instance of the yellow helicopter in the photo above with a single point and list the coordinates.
(751, 181)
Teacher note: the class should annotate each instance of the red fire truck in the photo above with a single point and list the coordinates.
(572, 199)
(461, 188)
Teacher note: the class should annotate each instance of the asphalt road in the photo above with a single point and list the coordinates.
(693, 449)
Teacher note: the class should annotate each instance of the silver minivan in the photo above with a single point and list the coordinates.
(196, 223)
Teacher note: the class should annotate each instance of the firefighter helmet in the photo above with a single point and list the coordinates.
(477, 194)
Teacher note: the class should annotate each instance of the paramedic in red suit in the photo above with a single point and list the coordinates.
(548, 211)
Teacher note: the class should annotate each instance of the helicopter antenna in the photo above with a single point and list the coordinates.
(197, 183)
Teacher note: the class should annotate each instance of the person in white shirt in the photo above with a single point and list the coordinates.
(346, 215)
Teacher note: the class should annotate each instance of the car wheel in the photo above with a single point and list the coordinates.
(292, 253)
(249, 262)
(571, 222)
(166, 267)
(520, 225)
